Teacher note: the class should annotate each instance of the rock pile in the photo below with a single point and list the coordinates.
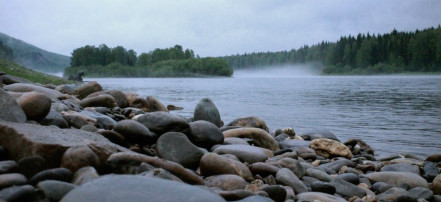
(81, 143)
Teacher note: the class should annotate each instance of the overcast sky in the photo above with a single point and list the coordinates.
(210, 28)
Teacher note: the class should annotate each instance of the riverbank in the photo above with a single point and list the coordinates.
(79, 135)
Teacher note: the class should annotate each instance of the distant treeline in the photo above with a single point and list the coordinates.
(6, 53)
(418, 51)
(103, 61)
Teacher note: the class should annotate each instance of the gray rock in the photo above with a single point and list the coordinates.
(347, 189)
(392, 194)
(205, 134)
(84, 174)
(31, 165)
(138, 188)
(380, 187)
(162, 122)
(226, 182)
(102, 120)
(8, 167)
(285, 177)
(66, 89)
(255, 199)
(27, 87)
(19, 193)
(161, 173)
(206, 110)
(88, 88)
(10, 179)
(275, 192)
(349, 177)
(306, 153)
(135, 132)
(103, 100)
(177, 147)
(258, 136)
(421, 192)
(119, 97)
(319, 174)
(430, 170)
(9, 109)
(336, 165)
(398, 178)
(55, 190)
(292, 165)
(245, 153)
(54, 118)
(263, 169)
(59, 107)
(317, 196)
(235, 195)
(61, 174)
(294, 144)
(402, 167)
(214, 164)
(317, 134)
(235, 140)
(324, 187)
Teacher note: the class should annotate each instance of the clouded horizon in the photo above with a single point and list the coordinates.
(210, 28)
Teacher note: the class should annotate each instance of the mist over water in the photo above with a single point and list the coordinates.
(282, 71)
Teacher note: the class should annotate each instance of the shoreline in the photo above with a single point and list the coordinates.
(80, 134)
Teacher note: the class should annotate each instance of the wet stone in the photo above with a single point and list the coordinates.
(324, 187)
(61, 174)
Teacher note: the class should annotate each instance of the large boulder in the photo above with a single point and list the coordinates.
(88, 88)
(162, 122)
(119, 96)
(9, 109)
(251, 122)
(206, 110)
(27, 87)
(135, 132)
(398, 178)
(138, 188)
(103, 100)
(205, 134)
(245, 153)
(259, 136)
(35, 105)
(328, 148)
(174, 146)
(23, 140)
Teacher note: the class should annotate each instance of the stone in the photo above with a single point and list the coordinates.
(245, 153)
(77, 157)
(31, 165)
(19, 193)
(235, 140)
(27, 87)
(398, 178)
(176, 169)
(84, 174)
(436, 185)
(402, 167)
(292, 165)
(347, 189)
(102, 121)
(176, 147)
(336, 165)
(138, 188)
(54, 118)
(263, 169)
(430, 170)
(349, 177)
(87, 89)
(380, 187)
(119, 96)
(363, 146)
(9, 79)
(255, 198)
(328, 148)
(324, 187)
(434, 158)
(114, 137)
(173, 108)
(285, 177)
(66, 89)
(421, 192)
(135, 132)
(59, 107)
(306, 153)
(205, 134)
(35, 105)
(259, 136)
(207, 111)
(89, 128)
(319, 134)
(162, 122)
(214, 164)
(77, 120)
(8, 167)
(392, 194)
(226, 182)
(275, 192)
(103, 100)
(250, 122)
(50, 142)
(55, 190)
(318, 174)
(61, 174)
(154, 105)
(9, 109)
(318, 196)
(12, 179)
(294, 144)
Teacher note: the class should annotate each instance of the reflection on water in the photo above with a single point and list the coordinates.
(392, 114)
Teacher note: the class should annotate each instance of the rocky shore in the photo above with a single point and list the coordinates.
(84, 143)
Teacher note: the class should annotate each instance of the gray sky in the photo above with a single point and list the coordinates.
(210, 28)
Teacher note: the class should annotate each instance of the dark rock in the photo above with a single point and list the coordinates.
(436, 185)
(119, 96)
(347, 189)
(114, 137)
(280, 138)
(434, 158)
(421, 192)
(102, 120)
(402, 167)
(363, 146)
(235, 195)
(398, 178)
(226, 182)
(406, 198)
(255, 199)
(245, 153)
(252, 122)
(177, 147)
(392, 194)
(8, 167)
(11, 179)
(9, 79)
(35, 105)
(61, 174)
(79, 156)
(154, 105)
(88, 88)
(77, 120)
(205, 134)
(3, 153)
(275, 192)
(285, 177)
(19, 194)
(138, 188)
(162, 122)
(430, 170)
(263, 169)
(55, 190)
(207, 111)
(54, 118)
(213, 164)
(66, 89)
(312, 135)
(336, 165)
(317, 196)
(308, 180)
(9, 109)
(31, 165)
(318, 174)
(282, 151)
(306, 153)
(292, 165)
(103, 100)
(349, 177)
(135, 132)
(259, 136)
(84, 174)
(323, 187)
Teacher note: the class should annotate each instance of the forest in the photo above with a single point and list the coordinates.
(103, 61)
(394, 52)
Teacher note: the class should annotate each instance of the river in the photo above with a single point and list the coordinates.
(393, 114)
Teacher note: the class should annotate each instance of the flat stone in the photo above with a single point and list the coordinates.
(9, 109)
(19, 193)
(398, 178)
(226, 182)
(55, 190)
(286, 177)
(318, 174)
(336, 165)
(66, 89)
(328, 148)
(51, 142)
(161, 173)
(380, 187)
(402, 167)
(318, 196)
(214, 164)
(138, 188)
(392, 194)
(10, 179)
(259, 136)
(103, 100)
(421, 192)
(61, 174)
(292, 165)
(206, 110)
(245, 153)
(255, 199)
(162, 122)
(77, 119)
(318, 134)
(27, 87)
(294, 144)
(235, 140)
(101, 120)
(119, 96)
(176, 147)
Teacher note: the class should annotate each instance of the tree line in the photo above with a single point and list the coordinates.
(418, 51)
(6, 53)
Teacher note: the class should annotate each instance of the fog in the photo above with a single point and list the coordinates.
(282, 71)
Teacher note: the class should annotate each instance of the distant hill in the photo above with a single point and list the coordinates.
(33, 57)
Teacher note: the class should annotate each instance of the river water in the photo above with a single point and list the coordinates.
(393, 114)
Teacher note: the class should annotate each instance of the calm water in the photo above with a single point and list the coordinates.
(391, 113)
